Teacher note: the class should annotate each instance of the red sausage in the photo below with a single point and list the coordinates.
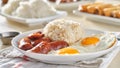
(34, 43)
(58, 45)
(40, 40)
(45, 47)
(25, 44)
(4, 1)
(42, 48)
(35, 36)
(37, 43)
(46, 39)
(36, 49)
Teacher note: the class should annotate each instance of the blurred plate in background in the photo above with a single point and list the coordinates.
(35, 21)
(98, 18)
(69, 6)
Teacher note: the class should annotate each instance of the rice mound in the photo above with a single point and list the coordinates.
(66, 30)
(28, 8)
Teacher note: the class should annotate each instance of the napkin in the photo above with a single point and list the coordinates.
(11, 58)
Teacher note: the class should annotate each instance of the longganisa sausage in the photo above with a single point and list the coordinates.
(37, 43)
(45, 47)
(25, 44)
(55, 45)
(35, 36)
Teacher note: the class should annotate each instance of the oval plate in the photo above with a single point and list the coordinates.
(64, 59)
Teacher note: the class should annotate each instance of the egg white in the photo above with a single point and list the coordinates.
(105, 42)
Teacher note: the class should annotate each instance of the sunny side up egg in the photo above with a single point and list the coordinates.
(95, 43)
(65, 51)
(88, 44)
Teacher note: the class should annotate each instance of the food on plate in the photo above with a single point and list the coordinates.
(10, 6)
(25, 44)
(4, 1)
(38, 43)
(65, 37)
(35, 36)
(92, 43)
(100, 8)
(64, 1)
(89, 40)
(68, 50)
(117, 13)
(103, 39)
(45, 47)
(99, 42)
(66, 30)
(112, 12)
(28, 8)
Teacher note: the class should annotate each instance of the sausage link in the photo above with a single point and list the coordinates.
(45, 47)
(35, 42)
(42, 48)
(58, 45)
(4, 1)
(25, 44)
(35, 36)
(40, 40)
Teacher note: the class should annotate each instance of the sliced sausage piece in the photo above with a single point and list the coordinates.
(4, 1)
(42, 48)
(35, 42)
(47, 39)
(45, 47)
(40, 40)
(25, 44)
(35, 36)
(58, 45)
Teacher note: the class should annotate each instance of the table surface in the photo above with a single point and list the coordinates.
(7, 25)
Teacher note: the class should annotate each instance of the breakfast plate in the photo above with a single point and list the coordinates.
(98, 18)
(35, 21)
(60, 59)
(24, 15)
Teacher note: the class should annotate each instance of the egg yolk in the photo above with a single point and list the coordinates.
(68, 51)
(89, 41)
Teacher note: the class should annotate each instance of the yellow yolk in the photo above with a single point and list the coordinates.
(68, 51)
(89, 41)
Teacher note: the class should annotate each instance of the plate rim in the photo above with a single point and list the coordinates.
(29, 21)
(78, 2)
(114, 20)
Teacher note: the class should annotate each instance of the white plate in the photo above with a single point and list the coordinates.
(61, 59)
(99, 18)
(34, 21)
(69, 6)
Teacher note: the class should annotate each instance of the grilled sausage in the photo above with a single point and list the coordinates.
(42, 48)
(35, 36)
(25, 44)
(45, 47)
(37, 43)
(58, 45)
(40, 40)
(4, 1)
